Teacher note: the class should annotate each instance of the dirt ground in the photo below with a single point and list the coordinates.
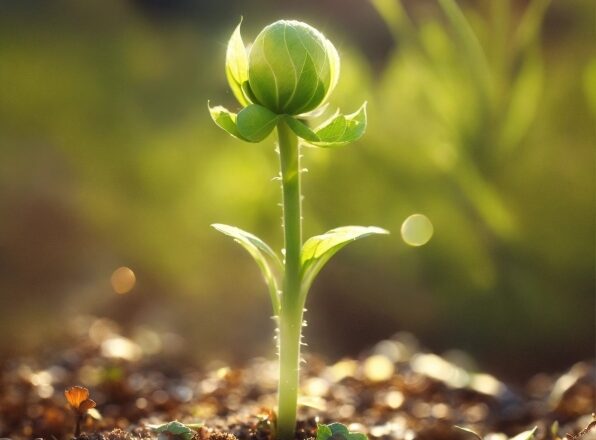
(395, 390)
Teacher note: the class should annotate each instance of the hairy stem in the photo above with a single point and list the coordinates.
(290, 319)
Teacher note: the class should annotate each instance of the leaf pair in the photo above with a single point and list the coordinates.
(254, 123)
(316, 252)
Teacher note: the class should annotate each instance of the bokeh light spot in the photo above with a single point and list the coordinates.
(123, 280)
(378, 368)
(417, 230)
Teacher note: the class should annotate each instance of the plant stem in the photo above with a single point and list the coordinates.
(77, 432)
(290, 319)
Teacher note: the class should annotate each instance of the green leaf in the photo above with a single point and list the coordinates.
(469, 431)
(237, 65)
(262, 254)
(528, 30)
(342, 129)
(471, 49)
(526, 435)
(255, 122)
(251, 239)
(226, 120)
(323, 432)
(301, 130)
(318, 250)
(524, 101)
(338, 130)
(338, 428)
(337, 431)
(175, 429)
(393, 14)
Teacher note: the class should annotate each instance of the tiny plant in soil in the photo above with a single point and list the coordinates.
(281, 82)
(175, 430)
(78, 399)
(337, 431)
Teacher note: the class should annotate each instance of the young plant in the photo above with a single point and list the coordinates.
(337, 431)
(78, 399)
(281, 82)
(175, 430)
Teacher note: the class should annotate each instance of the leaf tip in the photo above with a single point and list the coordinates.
(468, 430)
(218, 227)
(237, 28)
(363, 109)
(213, 108)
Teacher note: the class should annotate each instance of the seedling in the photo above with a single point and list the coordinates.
(281, 82)
(337, 431)
(79, 401)
(175, 430)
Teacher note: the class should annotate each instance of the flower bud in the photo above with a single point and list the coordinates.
(292, 68)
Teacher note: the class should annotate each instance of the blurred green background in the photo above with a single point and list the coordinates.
(482, 117)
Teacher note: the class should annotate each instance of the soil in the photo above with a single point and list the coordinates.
(393, 391)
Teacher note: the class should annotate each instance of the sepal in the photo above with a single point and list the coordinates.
(342, 129)
(336, 131)
(256, 122)
(237, 65)
(301, 130)
(226, 120)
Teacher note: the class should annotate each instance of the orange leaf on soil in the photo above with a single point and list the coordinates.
(77, 395)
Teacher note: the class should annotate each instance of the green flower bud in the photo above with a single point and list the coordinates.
(289, 71)
(292, 68)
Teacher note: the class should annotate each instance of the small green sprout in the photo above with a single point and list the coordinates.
(337, 431)
(282, 81)
(175, 430)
